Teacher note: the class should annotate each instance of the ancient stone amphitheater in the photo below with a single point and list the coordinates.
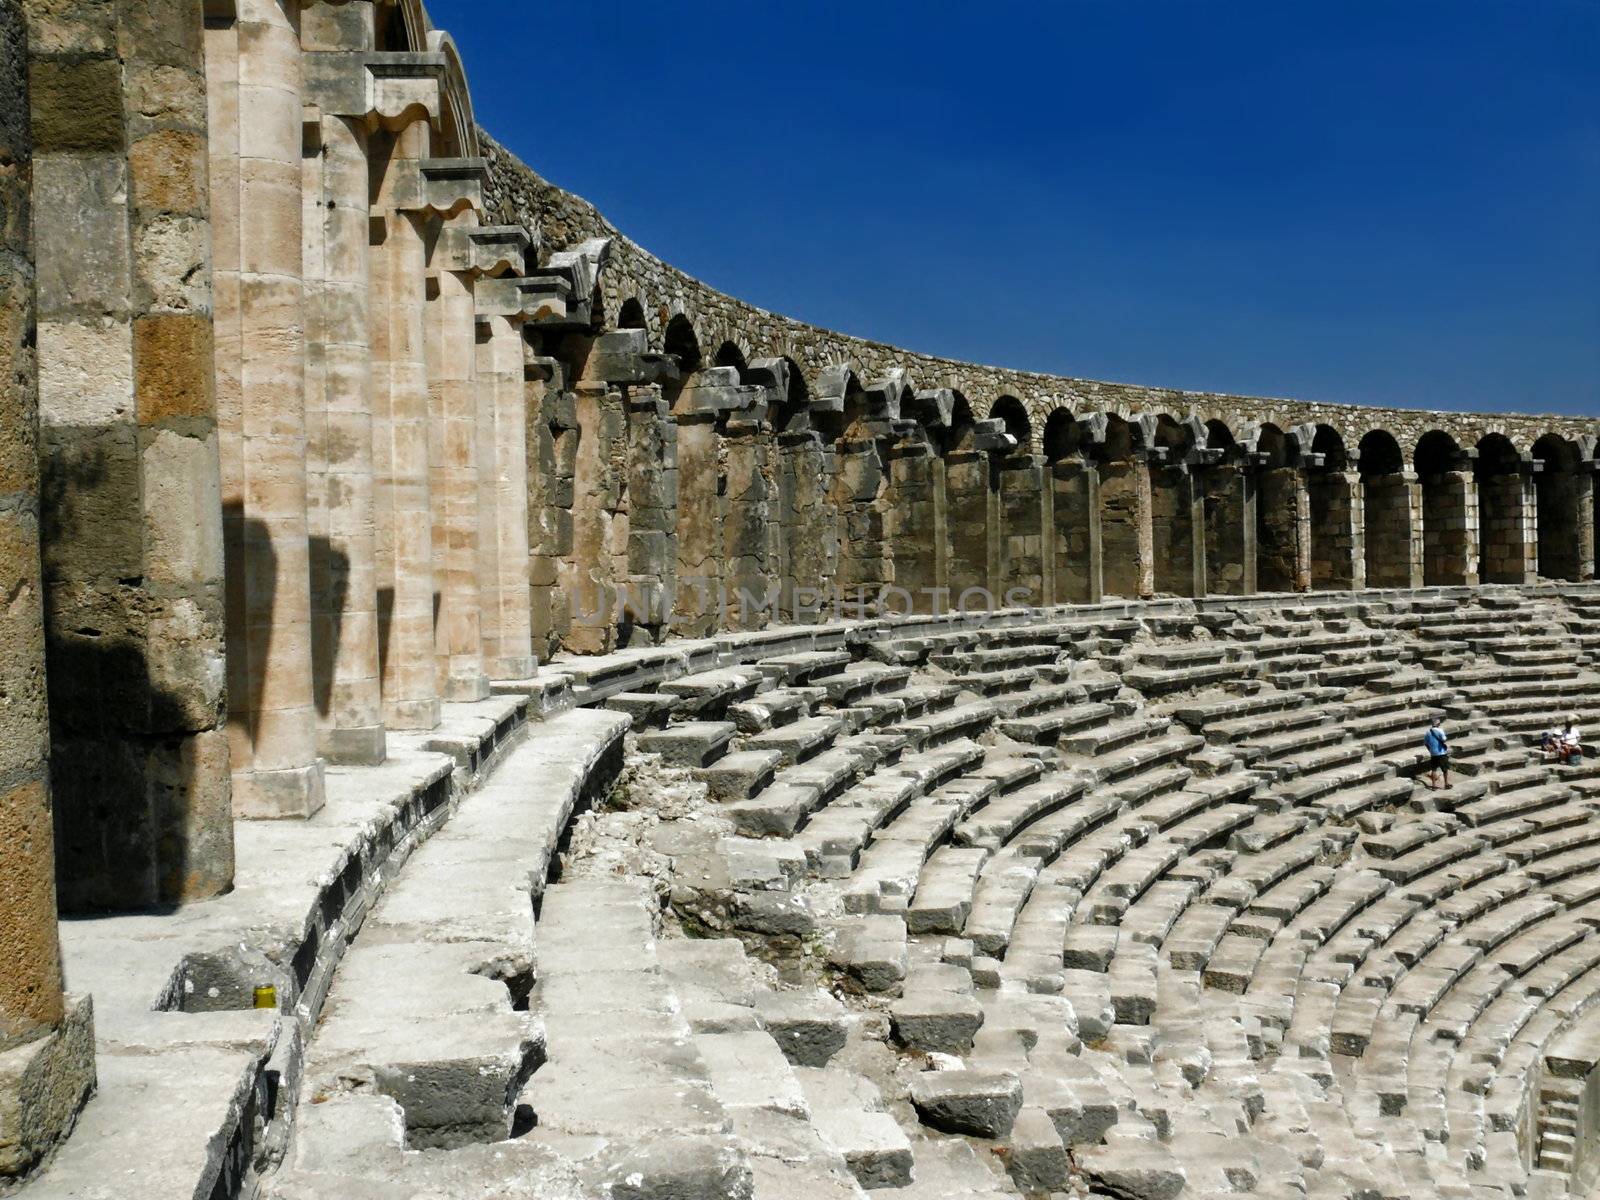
(484, 715)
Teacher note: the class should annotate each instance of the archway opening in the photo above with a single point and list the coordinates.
(1560, 496)
(1389, 500)
(1230, 569)
(1278, 517)
(1122, 501)
(1449, 511)
(1335, 499)
(1508, 540)
(1073, 498)
(1173, 496)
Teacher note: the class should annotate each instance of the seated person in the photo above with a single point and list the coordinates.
(1569, 747)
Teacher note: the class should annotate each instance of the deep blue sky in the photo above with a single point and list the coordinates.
(1392, 202)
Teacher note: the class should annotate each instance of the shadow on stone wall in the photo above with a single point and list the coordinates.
(330, 585)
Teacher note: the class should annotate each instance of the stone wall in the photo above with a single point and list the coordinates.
(661, 292)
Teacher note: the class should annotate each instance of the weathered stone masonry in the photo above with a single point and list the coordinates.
(323, 412)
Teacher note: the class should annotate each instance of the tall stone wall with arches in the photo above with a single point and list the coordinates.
(325, 414)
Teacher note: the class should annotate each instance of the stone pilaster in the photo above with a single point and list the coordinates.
(913, 521)
(552, 446)
(1583, 500)
(354, 92)
(413, 191)
(1075, 505)
(46, 1037)
(698, 525)
(1172, 493)
(748, 546)
(808, 524)
(588, 574)
(1230, 529)
(496, 256)
(1021, 508)
(1128, 550)
(272, 715)
(966, 475)
(858, 495)
(652, 485)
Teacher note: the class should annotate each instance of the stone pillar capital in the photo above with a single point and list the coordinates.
(440, 187)
(387, 89)
(482, 250)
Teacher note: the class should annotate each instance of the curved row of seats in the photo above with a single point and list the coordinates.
(1130, 864)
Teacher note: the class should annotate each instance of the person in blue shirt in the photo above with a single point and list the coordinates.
(1437, 745)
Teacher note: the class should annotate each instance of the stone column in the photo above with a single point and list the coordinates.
(966, 474)
(1075, 512)
(747, 536)
(459, 422)
(1172, 535)
(1021, 507)
(273, 722)
(133, 562)
(858, 489)
(913, 521)
(356, 91)
(411, 191)
(1229, 529)
(652, 511)
(552, 446)
(1583, 498)
(46, 1038)
(503, 500)
(699, 519)
(1194, 500)
(588, 574)
(808, 524)
(1128, 551)
(479, 454)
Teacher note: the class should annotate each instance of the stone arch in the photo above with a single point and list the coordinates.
(1508, 538)
(1565, 510)
(631, 315)
(681, 341)
(1009, 409)
(1449, 511)
(1391, 509)
(730, 355)
(402, 26)
(458, 128)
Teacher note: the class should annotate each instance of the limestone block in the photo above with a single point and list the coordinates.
(43, 1084)
(980, 1103)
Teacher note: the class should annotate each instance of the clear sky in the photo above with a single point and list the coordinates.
(1368, 201)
